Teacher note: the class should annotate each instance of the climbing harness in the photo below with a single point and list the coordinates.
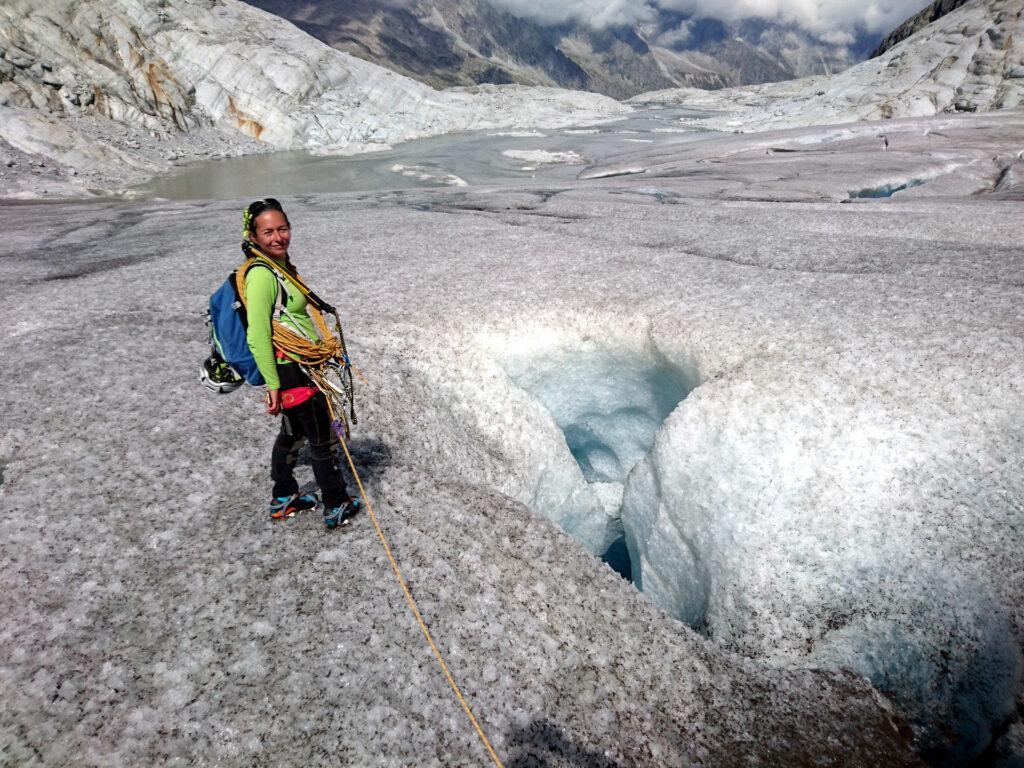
(321, 360)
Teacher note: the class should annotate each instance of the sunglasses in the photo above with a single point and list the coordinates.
(254, 209)
(267, 204)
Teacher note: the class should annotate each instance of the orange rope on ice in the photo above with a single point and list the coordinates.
(412, 603)
(317, 359)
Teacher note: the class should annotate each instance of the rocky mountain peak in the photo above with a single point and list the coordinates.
(918, 21)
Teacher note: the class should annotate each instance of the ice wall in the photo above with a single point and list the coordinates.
(588, 397)
(838, 491)
(784, 517)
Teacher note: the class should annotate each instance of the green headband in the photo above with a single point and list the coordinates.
(246, 223)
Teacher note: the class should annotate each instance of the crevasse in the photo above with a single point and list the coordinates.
(609, 398)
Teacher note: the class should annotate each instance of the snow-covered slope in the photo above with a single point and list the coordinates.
(971, 59)
(120, 88)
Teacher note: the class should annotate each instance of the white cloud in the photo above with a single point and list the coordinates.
(832, 20)
(677, 36)
(598, 13)
(838, 37)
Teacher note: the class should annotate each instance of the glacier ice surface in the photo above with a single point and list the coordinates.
(840, 491)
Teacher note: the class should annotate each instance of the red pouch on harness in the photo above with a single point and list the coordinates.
(296, 396)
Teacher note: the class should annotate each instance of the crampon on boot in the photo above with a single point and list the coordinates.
(286, 506)
(341, 515)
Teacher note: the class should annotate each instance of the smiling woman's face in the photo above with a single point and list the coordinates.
(272, 234)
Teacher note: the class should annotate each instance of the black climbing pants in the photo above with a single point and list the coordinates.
(309, 421)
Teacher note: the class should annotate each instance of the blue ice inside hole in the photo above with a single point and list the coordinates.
(609, 404)
(885, 190)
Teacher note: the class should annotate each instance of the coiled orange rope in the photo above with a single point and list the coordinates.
(312, 353)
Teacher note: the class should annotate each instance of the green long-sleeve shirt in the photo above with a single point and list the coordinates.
(260, 296)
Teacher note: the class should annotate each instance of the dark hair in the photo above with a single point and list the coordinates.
(255, 208)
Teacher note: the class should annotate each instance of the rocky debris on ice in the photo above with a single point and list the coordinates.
(971, 59)
(545, 157)
(88, 155)
(24, 173)
(116, 91)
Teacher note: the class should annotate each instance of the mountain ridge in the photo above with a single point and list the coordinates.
(447, 43)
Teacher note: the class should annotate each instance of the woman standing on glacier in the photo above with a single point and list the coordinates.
(290, 392)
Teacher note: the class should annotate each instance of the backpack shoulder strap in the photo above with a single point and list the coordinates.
(252, 253)
(281, 298)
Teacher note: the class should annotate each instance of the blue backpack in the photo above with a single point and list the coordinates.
(230, 362)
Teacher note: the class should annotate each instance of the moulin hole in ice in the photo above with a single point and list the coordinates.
(885, 190)
(609, 403)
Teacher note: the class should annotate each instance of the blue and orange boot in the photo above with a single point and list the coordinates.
(341, 515)
(287, 506)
